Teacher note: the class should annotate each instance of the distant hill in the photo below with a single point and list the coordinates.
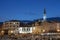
(54, 18)
(1, 22)
(50, 19)
(29, 21)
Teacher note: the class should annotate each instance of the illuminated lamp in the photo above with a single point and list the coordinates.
(2, 31)
(58, 30)
(12, 31)
(43, 30)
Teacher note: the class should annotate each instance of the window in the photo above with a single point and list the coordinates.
(25, 29)
(28, 29)
(17, 23)
(10, 26)
(10, 23)
(6, 23)
(17, 26)
(17, 29)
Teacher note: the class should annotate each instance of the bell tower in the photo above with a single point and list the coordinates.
(44, 15)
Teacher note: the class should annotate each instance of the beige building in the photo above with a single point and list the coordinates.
(10, 26)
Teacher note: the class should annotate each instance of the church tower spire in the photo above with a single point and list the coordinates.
(44, 15)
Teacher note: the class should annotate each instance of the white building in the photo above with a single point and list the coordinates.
(24, 30)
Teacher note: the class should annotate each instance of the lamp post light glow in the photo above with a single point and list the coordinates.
(12, 31)
(43, 30)
(2, 31)
(58, 30)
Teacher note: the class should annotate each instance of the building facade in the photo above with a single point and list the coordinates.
(38, 26)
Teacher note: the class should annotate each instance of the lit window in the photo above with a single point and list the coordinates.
(14, 22)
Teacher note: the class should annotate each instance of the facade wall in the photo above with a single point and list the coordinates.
(36, 28)
(11, 25)
(25, 29)
(47, 27)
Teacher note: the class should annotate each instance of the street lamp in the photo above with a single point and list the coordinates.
(43, 30)
(11, 31)
(58, 30)
(2, 32)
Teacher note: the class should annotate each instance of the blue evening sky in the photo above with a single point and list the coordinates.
(28, 9)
